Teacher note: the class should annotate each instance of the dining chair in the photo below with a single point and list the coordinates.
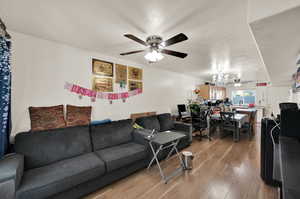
(227, 122)
(248, 126)
(216, 109)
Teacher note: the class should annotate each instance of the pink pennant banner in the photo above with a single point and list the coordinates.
(100, 95)
(68, 86)
(124, 95)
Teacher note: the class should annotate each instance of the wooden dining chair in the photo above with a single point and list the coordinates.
(227, 122)
(248, 126)
(216, 110)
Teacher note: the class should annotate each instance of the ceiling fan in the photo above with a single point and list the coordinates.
(155, 45)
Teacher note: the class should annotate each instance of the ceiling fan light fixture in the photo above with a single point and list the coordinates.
(154, 56)
(157, 45)
(237, 84)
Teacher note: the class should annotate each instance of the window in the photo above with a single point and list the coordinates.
(243, 97)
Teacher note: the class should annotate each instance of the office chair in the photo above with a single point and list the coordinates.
(288, 106)
(182, 112)
(200, 123)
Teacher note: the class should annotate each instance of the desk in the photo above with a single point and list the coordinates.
(239, 118)
(165, 140)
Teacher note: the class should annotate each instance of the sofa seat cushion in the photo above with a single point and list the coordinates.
(49, 180)
(122, 155)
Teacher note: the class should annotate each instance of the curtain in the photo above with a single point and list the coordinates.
(5, 95)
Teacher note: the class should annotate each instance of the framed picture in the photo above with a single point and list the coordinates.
(135, 73)
(121, 74)
(132, 85)
(104, 68)
(103, 84)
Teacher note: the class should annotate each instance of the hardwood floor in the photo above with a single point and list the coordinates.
(222, 170)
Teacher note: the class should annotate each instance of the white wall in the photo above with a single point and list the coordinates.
(40, 69)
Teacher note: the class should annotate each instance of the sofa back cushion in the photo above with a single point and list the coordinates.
(149, 122)
(165, 121)
(46, 147)
(111, 134)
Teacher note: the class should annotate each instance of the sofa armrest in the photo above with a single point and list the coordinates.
(11, 172)
(185, 128)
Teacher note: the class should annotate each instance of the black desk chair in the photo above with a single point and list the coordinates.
(227, 122)
(200, 123)
(182, 112)
(288, 106)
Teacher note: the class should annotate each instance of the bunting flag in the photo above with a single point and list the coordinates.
(100, 95)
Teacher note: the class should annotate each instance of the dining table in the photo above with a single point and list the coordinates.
(239, 118)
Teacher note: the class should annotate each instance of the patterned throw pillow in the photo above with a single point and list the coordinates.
(78, 115)
(136, 126)
(44, 118)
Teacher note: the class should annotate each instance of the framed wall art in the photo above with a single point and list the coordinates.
(102, 84)
(103, 68)
(133, 85)
(135, 73)
(121, 74)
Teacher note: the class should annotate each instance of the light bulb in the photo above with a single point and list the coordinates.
(154, 56)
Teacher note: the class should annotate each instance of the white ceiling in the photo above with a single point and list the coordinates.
(217, 29)
(279, 42)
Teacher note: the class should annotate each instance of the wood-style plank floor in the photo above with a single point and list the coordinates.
(222, 170)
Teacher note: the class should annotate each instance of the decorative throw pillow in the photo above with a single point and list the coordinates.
(136, 126)
(78, 115)
(44, 118)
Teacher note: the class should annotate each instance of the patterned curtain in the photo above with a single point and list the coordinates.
(5, 83)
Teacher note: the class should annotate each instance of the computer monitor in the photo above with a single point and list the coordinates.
(181, 108)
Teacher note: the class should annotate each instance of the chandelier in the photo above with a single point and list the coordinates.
(221, 79)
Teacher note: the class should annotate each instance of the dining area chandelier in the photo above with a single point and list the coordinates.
(221, 79)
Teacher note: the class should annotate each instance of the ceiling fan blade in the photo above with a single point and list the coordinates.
(176, 39)
(132, 52)
(174, 53)
(134, 38)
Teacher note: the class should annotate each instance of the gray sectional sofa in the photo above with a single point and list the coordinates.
(72, 162)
